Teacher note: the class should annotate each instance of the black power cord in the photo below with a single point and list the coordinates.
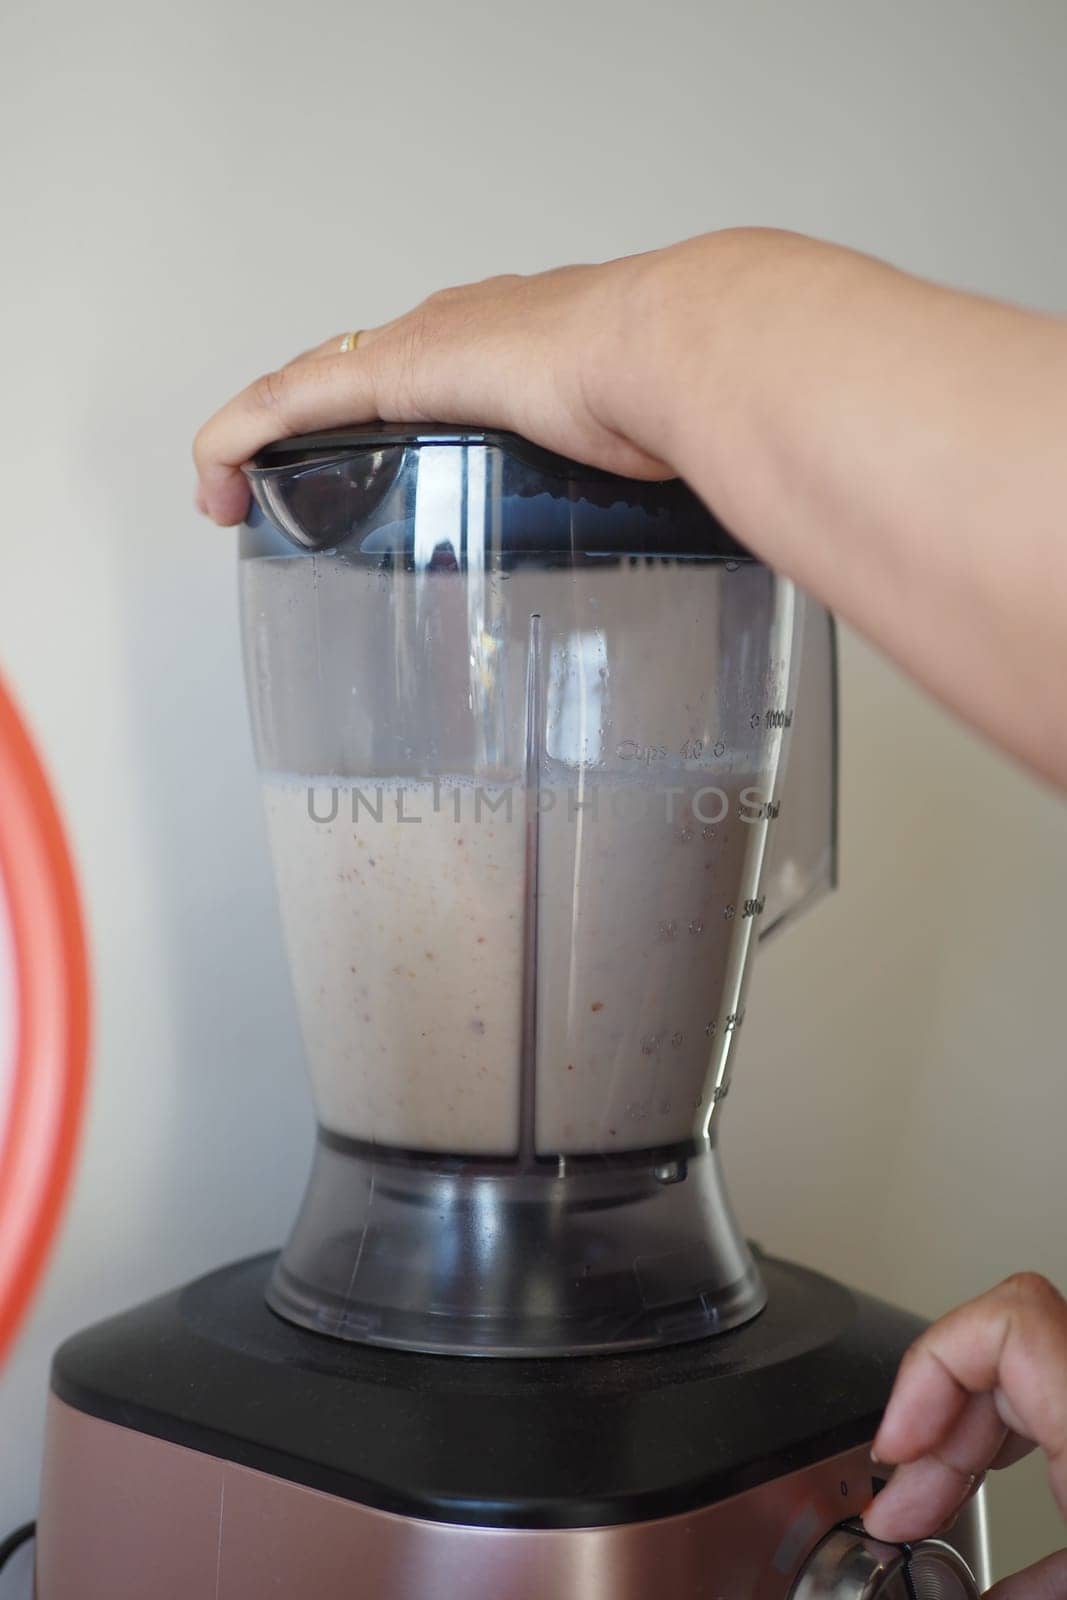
(15, 1541)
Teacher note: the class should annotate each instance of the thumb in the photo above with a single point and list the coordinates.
(1047, 1580)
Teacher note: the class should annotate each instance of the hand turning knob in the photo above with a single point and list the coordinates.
(850, 1565)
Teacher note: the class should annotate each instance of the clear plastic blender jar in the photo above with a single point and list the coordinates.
(523, 730)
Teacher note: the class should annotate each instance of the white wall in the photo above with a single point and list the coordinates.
(193, 192)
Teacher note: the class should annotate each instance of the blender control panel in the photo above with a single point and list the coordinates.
(800, 1537)
(849, 1565)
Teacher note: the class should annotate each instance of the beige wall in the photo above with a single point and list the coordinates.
(195, 191)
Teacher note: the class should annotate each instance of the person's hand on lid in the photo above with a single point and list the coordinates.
(512, 352)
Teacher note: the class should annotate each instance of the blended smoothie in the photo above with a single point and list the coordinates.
(651, 684)
(646, 904)
(405, 943)
(404, 908)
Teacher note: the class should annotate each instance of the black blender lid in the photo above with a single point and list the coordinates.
(307, 447)
(338, 487)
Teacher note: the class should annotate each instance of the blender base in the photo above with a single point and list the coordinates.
(200, 1446)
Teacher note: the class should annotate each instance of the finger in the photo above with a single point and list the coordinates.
(329, 347)
(296, 399)
(912, 1511)
(433, 364)
(923, 1495)
(1045, 1581)
(1010, 1343)
(235, 494)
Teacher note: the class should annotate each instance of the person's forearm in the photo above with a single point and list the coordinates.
(898, 448)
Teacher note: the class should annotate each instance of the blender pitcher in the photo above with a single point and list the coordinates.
(523, 730)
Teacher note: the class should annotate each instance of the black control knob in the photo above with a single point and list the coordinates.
(850, 1565)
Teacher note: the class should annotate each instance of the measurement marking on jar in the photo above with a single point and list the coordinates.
(700, 749)
(646, 754)
(775, 717)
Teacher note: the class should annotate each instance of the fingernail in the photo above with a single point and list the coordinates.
(875, 1458)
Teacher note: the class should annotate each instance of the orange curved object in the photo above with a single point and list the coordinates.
(45, 1098)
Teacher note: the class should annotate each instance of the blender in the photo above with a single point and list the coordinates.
(545, 754)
